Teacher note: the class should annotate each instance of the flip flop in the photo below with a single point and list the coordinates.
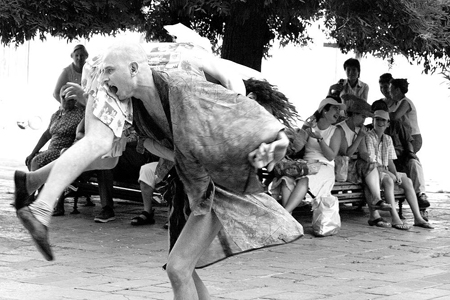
(380, 222)
(401, 226)
(424, 225)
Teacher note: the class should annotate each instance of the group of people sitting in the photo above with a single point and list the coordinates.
(380, 155)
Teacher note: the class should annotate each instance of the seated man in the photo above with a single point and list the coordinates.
(360, 167)
(127, 169)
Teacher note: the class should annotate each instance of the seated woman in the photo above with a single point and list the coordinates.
(381, 151)
(322, 146)
(360, 168)
(60, 132)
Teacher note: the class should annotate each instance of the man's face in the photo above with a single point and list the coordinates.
(359, 119)
(380, 124)
(117, 77)
(393, 91)
(384, 88)
(352, 73)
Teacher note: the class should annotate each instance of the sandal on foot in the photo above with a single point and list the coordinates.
(401, 226)
(380, 222)
(143, 218)
(382, 205)
(424, 225)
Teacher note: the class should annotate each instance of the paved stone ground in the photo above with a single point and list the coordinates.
(117, 261)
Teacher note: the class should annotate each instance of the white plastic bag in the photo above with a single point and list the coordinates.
(326, 220)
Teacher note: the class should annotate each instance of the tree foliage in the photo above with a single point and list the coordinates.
(22, 20)
(417, 29)
(244, 30)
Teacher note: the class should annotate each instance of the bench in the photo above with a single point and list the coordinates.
(88, 187)
(356, 194)
(346, 192)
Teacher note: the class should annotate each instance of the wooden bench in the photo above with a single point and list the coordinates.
(345, 192)
(121, 190)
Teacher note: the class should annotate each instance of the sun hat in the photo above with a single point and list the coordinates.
(381, 114)
(359, 106)
(329, 101)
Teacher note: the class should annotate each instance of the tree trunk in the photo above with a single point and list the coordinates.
(246, 34)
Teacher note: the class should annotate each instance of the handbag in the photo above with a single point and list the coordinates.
(341, 168)
(295, 168)
(326, 220)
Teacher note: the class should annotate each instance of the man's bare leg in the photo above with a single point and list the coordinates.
(35, 179)
(197, 235)
(36, 217)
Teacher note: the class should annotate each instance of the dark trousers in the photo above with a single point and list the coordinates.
(127, 169)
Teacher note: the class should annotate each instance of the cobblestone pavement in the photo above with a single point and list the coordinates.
(117, 261)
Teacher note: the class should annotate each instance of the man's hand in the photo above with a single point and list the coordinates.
(269, 154)
(362, 131)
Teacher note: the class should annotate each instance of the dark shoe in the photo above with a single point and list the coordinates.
(38, 231)
(89, 203)
(144, 218)
(382, 205)
(380, 222)
(21, 196)
(422, 200)
(105, 216)
(58, 212)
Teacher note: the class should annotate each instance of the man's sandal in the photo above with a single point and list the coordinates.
(380, 222)
(143, 219)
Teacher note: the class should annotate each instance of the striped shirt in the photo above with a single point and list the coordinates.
(382, 150)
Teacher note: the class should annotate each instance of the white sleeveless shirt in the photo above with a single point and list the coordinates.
(313, 151)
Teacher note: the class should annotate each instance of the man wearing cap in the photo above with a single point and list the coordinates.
(382, 152)
(360, 167)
